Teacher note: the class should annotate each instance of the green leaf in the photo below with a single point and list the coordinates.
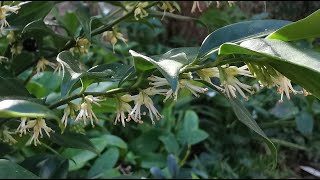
(36, 89)
(47, 166)
(302, 29)
(72, 72)
(70, 22)
(73, 140)
(238, 32)
(70, 69)
(24, 108)
(170, 63)
(245, 117)
(81, 157)
(170, 143)
(146, 142)
(115, 141)
(10, 170)
(150, 160)
(304, 122)
(30, 11)
(190, 132)
(106, 161)
(291, 61)
(12, 87)
(39, 29)
(83, 14)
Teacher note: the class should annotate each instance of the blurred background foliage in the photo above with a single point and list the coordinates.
(198, 137)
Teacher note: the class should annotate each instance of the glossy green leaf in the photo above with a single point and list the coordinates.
(245, 117)
(14, 85)
(304, 122)
(238, 32)
(170, 63)
(36, 89)
(73, 140)
(301, 66)
(302, 29)
(72, 72)
(24, 108)
(115, 141)
(106, 161)
(11, 170)
(70, 69)
(30, 11)
(47, 166)
(83, 14)
(81, 157)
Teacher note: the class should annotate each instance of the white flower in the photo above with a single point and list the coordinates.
(38, 125)
(3, 13)
(232, 84)
(69, 111)
(183, 83)
(42, 63)
(124, 107)
(22, 127)
(284, 86)
(143, 99)
(228, 80)
(86, 110)
(6, 136)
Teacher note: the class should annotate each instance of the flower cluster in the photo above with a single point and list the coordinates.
(85, 113)
(4, 10)
(42, 63)
(37, 125)
(228, 81)
(82, 46)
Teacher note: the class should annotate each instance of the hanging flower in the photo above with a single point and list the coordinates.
(140, 10)
(168, 6)
(82, 46)
(122, 108)
(86, 110)
(231, 84)
(143, 99)
(269, 77)
(42, 63)
(22, 127)
(112, 37)
(6, 136)
(284, 86)
(69, 111)
(4, 12)
(157, 82)
(38, 125)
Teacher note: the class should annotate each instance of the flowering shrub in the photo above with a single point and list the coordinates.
(86, 91)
